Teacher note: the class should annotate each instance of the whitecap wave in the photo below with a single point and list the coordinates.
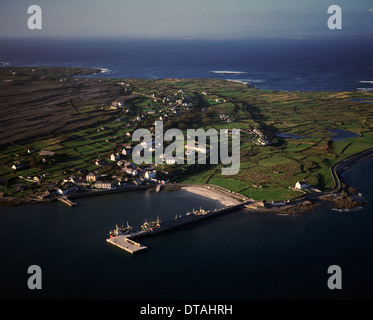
(228, 72)
(365, 89)
(347, 210)
(238, 81)
(105, 70)
(4, 64)
(364, 81)
(246, 81)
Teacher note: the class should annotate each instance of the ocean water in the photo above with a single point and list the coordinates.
(240, 255)
(275, 64)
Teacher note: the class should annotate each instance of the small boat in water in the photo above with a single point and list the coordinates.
(152, 225)
(199, 212)
(118, 231)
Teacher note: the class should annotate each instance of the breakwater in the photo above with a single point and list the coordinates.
(129, 242)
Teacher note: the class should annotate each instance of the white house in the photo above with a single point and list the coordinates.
(62, 191)
(127, 151)
(17, 166)
(99, 162)
(150, 175)
(65, 191)
(115, 157)
(302, 185)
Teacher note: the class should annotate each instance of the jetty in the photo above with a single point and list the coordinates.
(127, 241)
(67, 201)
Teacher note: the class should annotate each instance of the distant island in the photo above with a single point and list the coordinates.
(65, 133)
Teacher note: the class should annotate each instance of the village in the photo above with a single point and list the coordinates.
(116, 171)
(112, 170)
(127, 174)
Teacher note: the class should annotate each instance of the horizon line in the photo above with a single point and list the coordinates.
(128, 37)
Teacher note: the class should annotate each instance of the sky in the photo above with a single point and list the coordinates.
(185, 19)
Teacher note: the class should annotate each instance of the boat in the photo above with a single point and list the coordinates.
(119, 231)
(200, 212)
(145, 225)
(152, 225)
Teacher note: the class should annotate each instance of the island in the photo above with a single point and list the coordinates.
(66, 133)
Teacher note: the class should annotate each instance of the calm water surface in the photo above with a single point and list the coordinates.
(240, 255)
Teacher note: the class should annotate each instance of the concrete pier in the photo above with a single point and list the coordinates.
(67, 201)
(127, 243)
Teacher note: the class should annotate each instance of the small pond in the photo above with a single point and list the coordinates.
(341, 135)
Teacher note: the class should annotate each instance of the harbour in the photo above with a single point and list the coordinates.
(127, 241)
(237, 248)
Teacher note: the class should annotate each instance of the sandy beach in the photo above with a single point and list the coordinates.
(212, 194)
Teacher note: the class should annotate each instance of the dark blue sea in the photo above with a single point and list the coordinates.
(275, 64)
(240, 255)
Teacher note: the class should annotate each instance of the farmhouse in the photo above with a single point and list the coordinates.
(127, 151)
(302, 185)
(68, 190)
(115, 157)
(91, 177)
(100, 162)
(17, 166)
(150, 175)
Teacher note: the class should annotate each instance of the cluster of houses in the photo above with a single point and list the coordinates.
(176, 104)
(48, 154)
(128, 174)
(262, 139)
(134, 176)
(132, 173)
(226, 118)
(117, 105)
